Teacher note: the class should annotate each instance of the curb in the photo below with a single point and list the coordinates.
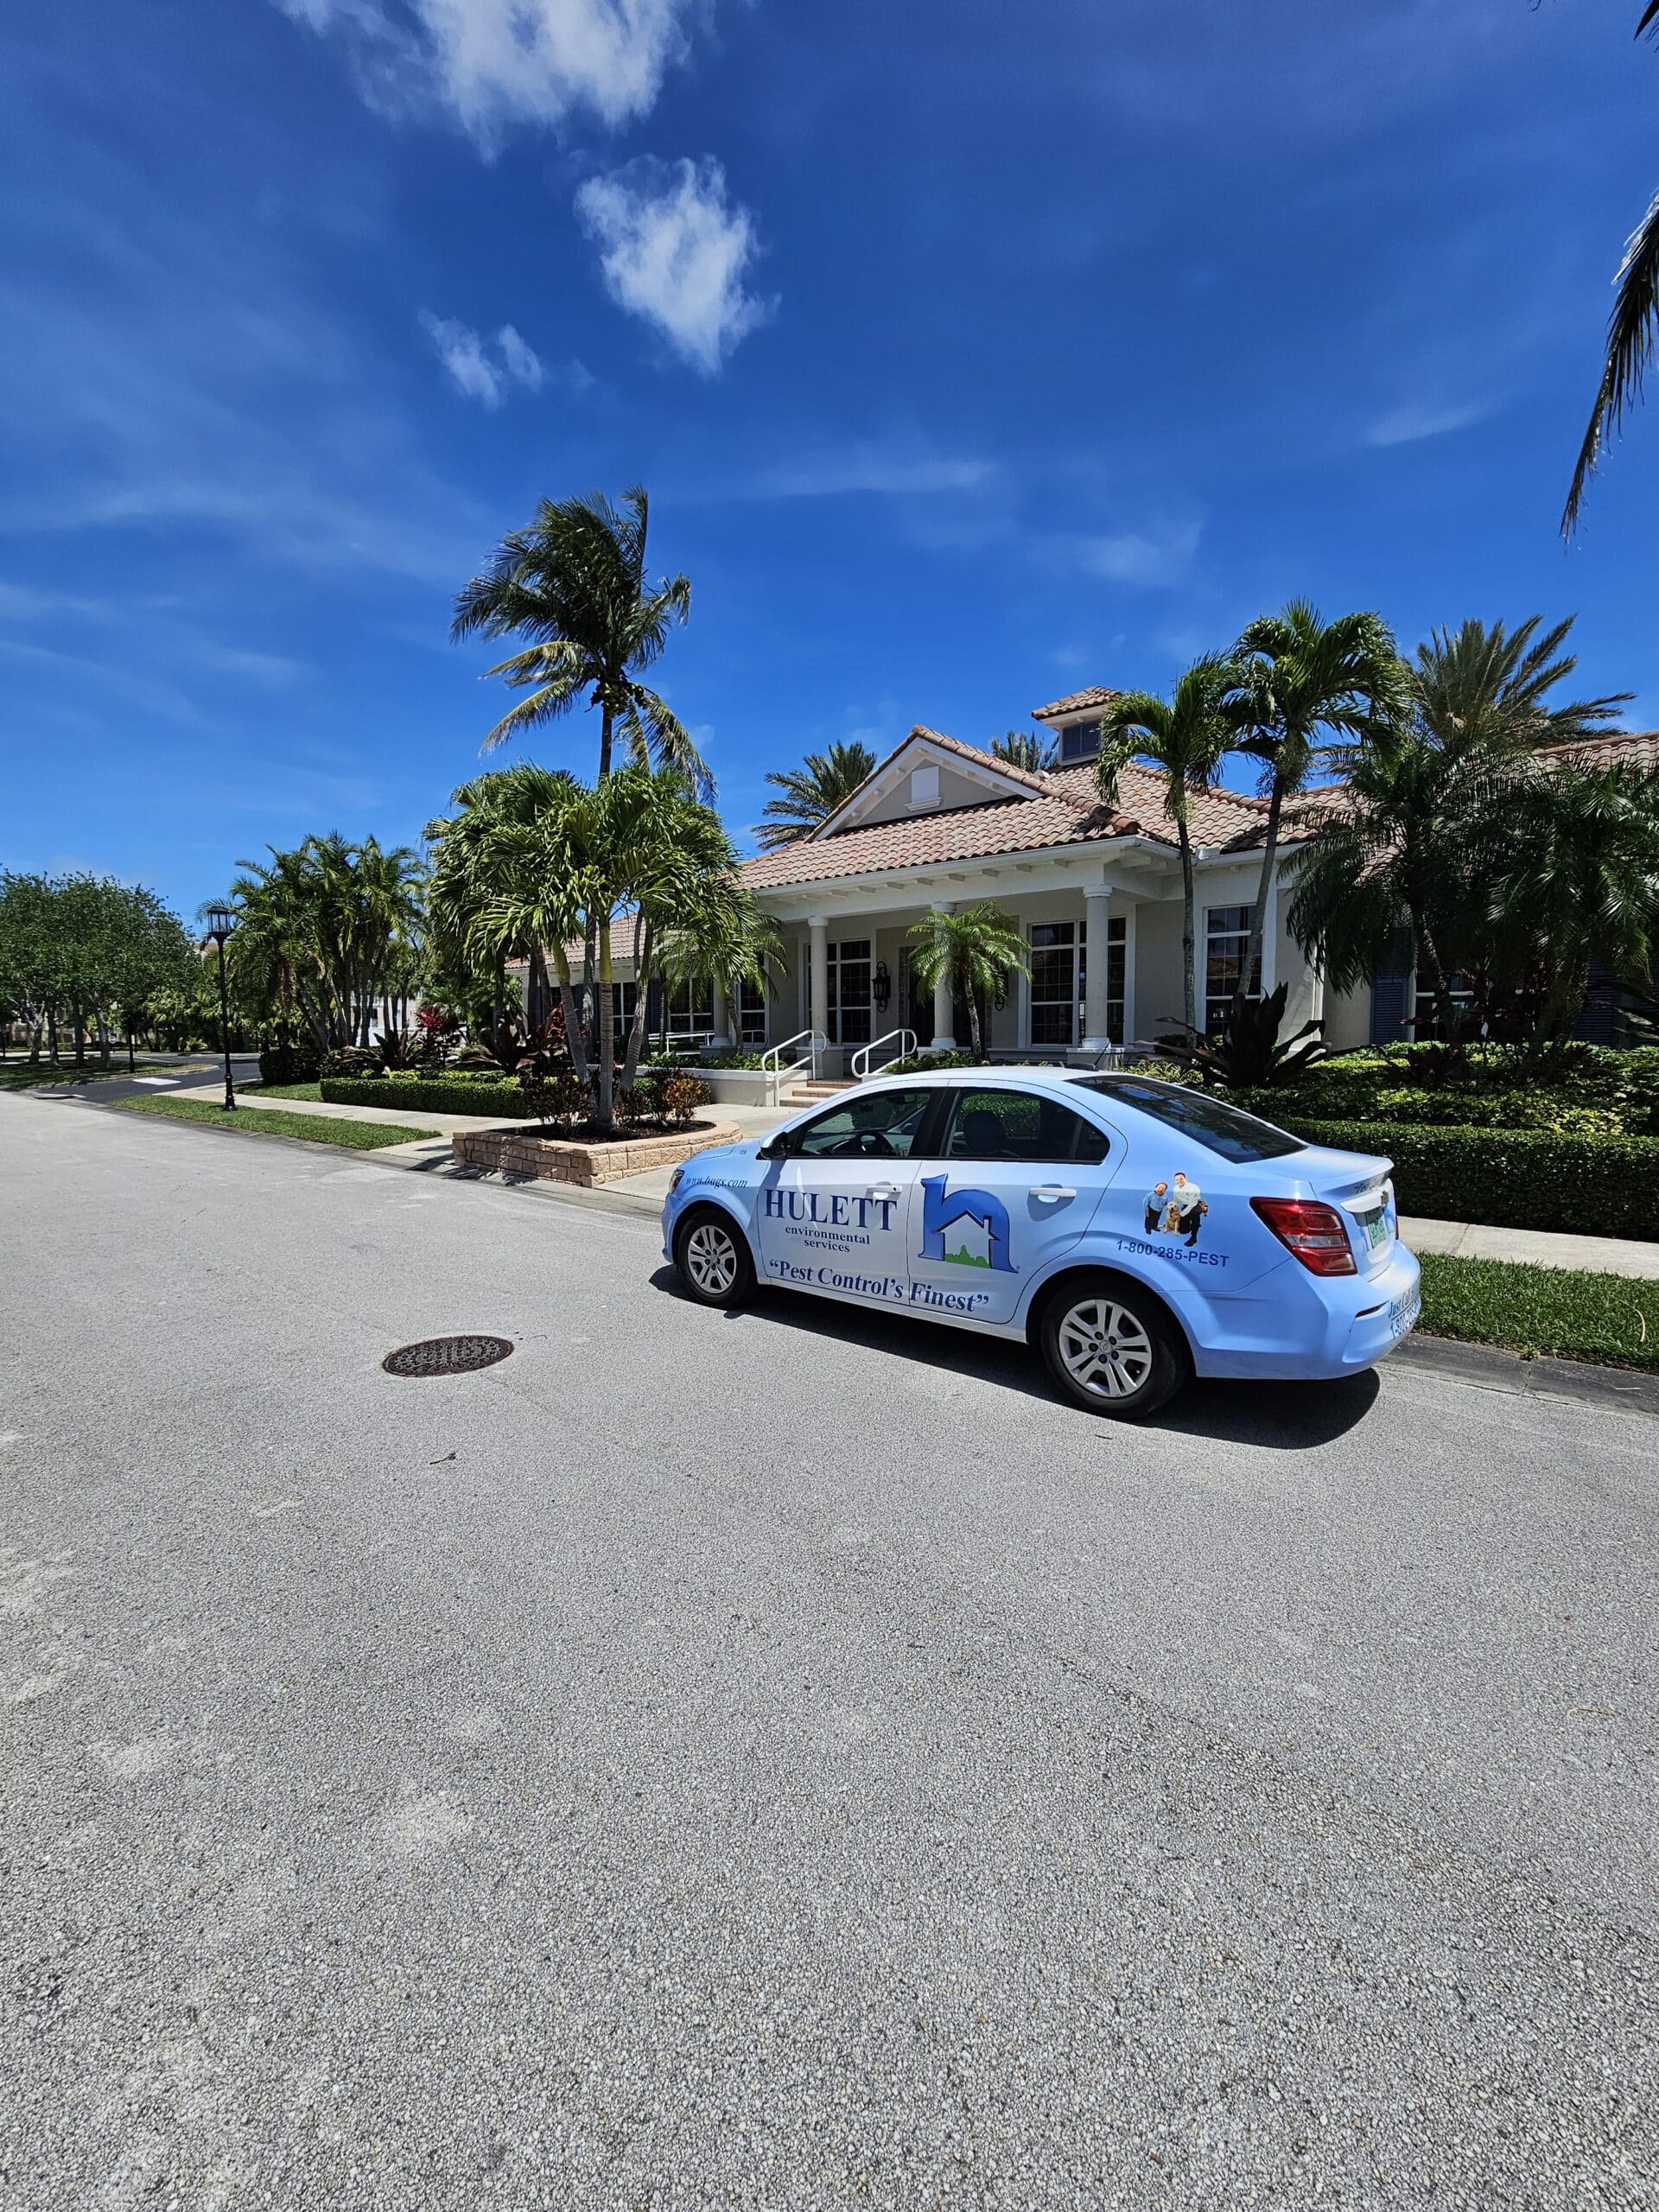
(1619, 1389)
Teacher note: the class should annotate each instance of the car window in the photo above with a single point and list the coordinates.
(1003, 1124)
(870, 1125)
(1222, 1129)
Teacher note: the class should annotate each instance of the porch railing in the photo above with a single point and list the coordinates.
(861, 1060)
(778, 1075)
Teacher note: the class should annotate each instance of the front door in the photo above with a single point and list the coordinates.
(1019, 1178)
(833, 1211)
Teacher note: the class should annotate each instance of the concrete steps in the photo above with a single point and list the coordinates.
(809, 1094)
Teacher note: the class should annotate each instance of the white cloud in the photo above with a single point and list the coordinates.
(462, 352)
(1159, 555)
(675, 252)
(863, 466)
(474, 370)
(1416, 419)
(495, 63)
(521, 361)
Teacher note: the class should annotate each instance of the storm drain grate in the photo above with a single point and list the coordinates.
(445, 1356)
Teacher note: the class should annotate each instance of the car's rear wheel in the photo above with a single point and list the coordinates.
(1111, 1348)
(712, 1255)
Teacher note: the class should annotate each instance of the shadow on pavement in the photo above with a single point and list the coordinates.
(1277, 1416)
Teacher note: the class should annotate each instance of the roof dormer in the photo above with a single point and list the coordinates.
(1075, 722)
(929, 773)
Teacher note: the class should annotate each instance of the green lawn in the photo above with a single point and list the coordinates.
(315, 1129)
(311, 1090)
(1560, 1312)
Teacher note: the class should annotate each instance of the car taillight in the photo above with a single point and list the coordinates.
(1313, 1230)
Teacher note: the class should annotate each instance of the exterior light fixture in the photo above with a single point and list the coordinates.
(220, 922)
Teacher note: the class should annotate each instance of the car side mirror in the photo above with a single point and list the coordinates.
(779, 1148)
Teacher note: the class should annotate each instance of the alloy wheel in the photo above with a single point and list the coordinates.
(711, 1259)
(1105, 1349)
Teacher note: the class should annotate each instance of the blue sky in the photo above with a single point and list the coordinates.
(969, 354)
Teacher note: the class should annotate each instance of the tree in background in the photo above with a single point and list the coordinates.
(1186, 737)
(811, 793)
(1401, 836)
(85, 951)
(1025, 748)
(977, 951)
(1571, 854)
(575, 583)
(1305, 690)
(325, 934)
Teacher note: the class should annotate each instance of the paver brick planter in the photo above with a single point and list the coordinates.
(561, 1159)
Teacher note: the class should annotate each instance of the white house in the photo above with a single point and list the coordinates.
(1095, 890)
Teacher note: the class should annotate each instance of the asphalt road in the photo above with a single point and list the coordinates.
(781, 1761)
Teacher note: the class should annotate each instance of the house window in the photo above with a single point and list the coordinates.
(1117, 973)
(1059, 981)
(624, 997)
(1427, 1022)
(849, 991)
(1227, 939)
(687, 1011)
(1079, 741)
(751, 1013)
(1056, 980)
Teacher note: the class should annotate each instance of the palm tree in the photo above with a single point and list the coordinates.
(1024, 748)
(975, 950)
(1632, 330)
(1400, 835)
(728, 943)
(479, 854)
(1575, 861)
(574, 583)
(1307, 687)
(320, 929)
(811, 793)
(1185, 736)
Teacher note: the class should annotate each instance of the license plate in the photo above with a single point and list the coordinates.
(1379, 1228)
(1404, 1311)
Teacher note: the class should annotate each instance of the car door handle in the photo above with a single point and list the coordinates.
(1053, 1191)
(882, 1191)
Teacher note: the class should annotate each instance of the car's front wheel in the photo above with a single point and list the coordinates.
(1111, 1348)
(712, 1256)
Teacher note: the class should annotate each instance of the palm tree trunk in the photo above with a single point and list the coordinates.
(642, 952)
(605, 727)
(573, 1036)
(1259, 913)
(1189, 960)
(606, 1032)
(1429, 960)
(972, 996)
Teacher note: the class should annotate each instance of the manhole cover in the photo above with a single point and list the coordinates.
(445, 1356)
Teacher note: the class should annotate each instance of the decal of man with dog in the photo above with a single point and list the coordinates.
(1176, 1208)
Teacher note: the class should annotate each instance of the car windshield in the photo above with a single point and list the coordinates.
(1219, 1127)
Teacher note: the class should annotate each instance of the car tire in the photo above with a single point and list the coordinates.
(712, 1256)
(1111, 1348)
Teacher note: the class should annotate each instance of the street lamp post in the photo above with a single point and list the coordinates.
(220, 923)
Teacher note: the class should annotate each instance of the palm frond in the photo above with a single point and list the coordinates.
(1632, 330)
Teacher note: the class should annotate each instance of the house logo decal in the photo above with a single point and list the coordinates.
(969, 1228)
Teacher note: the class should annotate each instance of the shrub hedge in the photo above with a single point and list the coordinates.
(494, 1102)
(1514, 1179)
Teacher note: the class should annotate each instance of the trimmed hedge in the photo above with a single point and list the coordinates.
(494, 1102)
(1513, 1178)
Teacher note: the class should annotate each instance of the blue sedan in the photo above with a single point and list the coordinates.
(1138, 1232)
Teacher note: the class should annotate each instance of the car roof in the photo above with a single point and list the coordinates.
(1013, 1074)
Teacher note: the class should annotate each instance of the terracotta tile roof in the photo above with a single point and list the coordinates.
(1095, 695)
(1638, 746)
(1064, 809)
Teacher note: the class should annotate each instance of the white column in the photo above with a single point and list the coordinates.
(1096, 909)
(818, 1002)
(722, 1035)
(943, 1040)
